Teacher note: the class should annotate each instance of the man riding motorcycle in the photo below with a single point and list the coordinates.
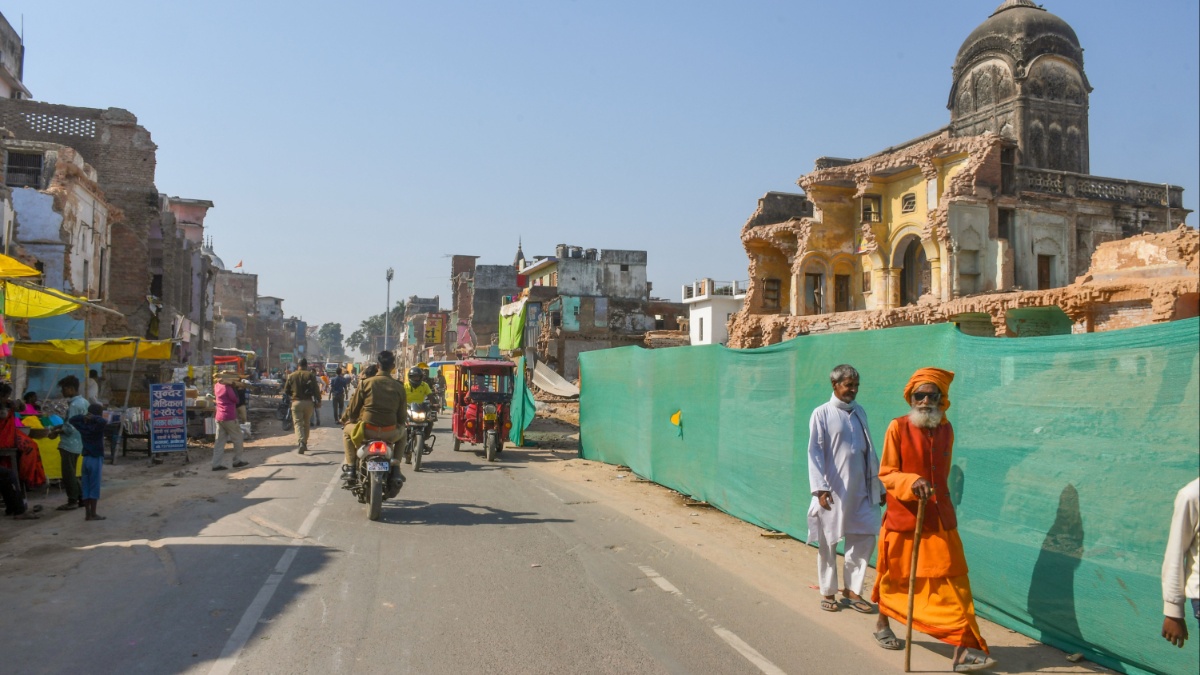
(417, 389)
(379, 403)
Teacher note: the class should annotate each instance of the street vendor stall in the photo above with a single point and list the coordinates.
(99, 350)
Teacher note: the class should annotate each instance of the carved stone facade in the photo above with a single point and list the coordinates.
(997, 201)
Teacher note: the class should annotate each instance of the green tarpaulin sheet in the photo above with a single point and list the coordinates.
(523, 408)
(1069, 452)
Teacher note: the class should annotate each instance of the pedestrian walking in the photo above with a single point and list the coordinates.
(228, 428)
(1181, 565)
(843, 471)
(91, 429)
(915, 470)
(302, 388)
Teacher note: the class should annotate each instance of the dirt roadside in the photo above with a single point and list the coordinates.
(778, 565)
(136, 496)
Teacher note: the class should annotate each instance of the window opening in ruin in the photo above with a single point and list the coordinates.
(24, 169)
(624, 268)
(156, 285)
(814, 293)
(771, 293)
(867, 281)
(700, 329)
(101, 285)
(841, 292)
(87, 280)
(872, 208)
(1004, 222)
(1045, 279)
(1008, 171)
(915, 275)
(908, 203)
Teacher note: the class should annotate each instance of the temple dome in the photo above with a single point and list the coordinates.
(1022, 30)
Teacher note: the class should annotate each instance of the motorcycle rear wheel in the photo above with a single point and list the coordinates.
(375, 503)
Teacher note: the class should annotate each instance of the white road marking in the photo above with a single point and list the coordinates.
(547, 491)
(659, 580)
(749, 653)
(241, 634)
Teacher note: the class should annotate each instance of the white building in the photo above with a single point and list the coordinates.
(710, 306)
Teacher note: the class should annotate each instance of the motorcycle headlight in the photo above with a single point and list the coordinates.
(416, 416)
(489, 409)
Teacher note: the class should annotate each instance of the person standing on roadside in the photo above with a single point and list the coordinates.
(843, 471)
(70, 444)
(227, 422)
(1181, 565)
(302, 388)
(91, 429)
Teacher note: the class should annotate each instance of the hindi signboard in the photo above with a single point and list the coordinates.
(285, 356)
(168, 417)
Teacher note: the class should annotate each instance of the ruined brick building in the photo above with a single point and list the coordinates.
(1001, 199)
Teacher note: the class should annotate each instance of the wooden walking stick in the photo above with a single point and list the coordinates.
(912, 585)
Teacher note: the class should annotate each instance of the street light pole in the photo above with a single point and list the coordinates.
(387, 314)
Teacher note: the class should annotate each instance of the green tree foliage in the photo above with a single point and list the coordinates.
(330, 338)
(369, 336)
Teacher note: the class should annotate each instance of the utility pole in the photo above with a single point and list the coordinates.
(387, 313)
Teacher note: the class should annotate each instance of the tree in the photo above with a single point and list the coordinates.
(369, 336)
(330, 338)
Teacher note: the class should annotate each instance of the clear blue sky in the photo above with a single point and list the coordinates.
(337, 139)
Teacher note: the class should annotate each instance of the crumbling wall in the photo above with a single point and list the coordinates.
(1150, 278)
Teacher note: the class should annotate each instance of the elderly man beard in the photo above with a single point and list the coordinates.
(917, 454)
(842, 473)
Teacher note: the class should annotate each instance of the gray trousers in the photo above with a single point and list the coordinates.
(229, 430)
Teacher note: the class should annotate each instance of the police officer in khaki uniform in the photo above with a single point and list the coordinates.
(303, 389)
(380, 403)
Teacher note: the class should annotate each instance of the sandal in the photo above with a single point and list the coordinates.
(69, 506)
(887, 639)
(860, 605)
(27, 515)
(830, 605)
(974, 661)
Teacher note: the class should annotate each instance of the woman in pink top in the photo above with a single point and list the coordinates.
(227, 423)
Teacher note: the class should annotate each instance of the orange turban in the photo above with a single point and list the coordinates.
(935, 376)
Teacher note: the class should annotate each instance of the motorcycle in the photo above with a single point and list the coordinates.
(284, 412)
(420, 433)
(377, 476)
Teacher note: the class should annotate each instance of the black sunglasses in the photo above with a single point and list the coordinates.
(931, 395)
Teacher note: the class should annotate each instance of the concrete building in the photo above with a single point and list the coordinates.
(60, 216)
(12, 62)
(477, 293)
(998, 200)
(584, 299)
(711, 305)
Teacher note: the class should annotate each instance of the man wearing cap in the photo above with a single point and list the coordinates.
(917, 454)
(227, 421)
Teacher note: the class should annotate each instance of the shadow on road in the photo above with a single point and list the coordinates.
(414, 512)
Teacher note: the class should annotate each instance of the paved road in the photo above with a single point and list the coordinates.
(476, 567)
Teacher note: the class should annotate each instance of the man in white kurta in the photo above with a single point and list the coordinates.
(843, 471)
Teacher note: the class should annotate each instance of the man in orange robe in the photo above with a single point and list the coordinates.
(916, 464)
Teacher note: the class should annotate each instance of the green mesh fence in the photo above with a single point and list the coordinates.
(1069, 452)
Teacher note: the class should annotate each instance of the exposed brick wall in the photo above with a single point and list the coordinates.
(123, 155)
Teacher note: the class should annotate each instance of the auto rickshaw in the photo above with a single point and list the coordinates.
(483, 391)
